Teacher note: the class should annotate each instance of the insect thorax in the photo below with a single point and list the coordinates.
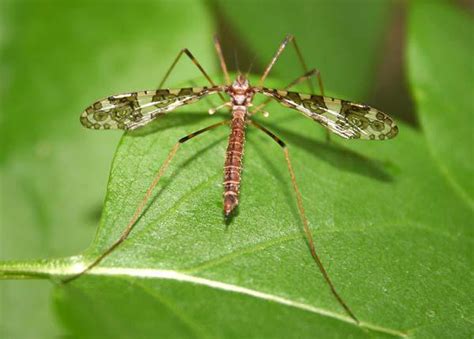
(241, 92)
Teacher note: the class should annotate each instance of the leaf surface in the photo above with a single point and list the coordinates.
(441, 71)
(397, 259)
(56, 58)
(393, 233)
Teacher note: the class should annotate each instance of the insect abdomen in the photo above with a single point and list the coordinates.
(233, 161)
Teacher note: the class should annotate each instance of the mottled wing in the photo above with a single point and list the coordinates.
(132, 110)
(347, 119)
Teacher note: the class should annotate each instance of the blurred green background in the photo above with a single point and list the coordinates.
(412, 60)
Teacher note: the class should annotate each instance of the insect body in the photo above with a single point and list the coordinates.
(241, 98)
(132, 110)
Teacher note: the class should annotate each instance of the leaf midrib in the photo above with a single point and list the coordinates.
(132, 275)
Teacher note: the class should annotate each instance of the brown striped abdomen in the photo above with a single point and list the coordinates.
(233, 161)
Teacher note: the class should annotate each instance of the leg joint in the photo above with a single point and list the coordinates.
(192, 135)
(187, 52)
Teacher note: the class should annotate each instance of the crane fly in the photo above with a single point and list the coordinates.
(133, 110)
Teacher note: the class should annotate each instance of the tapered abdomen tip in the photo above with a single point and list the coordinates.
(230, 203)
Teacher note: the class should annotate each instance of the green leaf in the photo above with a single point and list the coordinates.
(57, 57)
(394, 235)
(441, 70)
(397, 259)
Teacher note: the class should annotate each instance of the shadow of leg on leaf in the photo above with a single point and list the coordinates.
(338, 156)
(166, 121)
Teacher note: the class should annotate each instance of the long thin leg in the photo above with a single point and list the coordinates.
(306, 76)
(195, 62)
(144, 201)
(313, 72)
(304, 220)
(289, 38)
(217, 44)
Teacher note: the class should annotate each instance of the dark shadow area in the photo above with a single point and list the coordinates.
(467, 5)
(228, 220)
(94, 213)
(336, 155)
(171, 120)
(391, 91)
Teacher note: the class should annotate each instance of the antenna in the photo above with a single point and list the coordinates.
(236, 60)
(251, 65)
